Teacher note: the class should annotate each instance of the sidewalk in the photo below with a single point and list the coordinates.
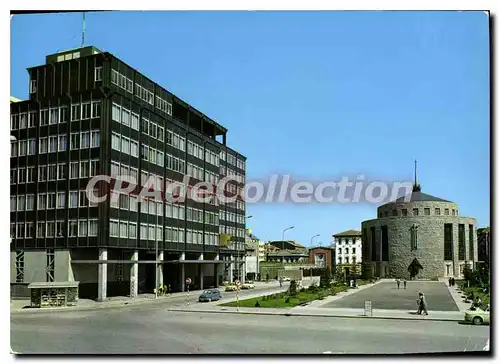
(328, 312)
(16, 306)
(457, 297)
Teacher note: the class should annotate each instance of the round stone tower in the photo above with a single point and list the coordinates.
(418, 236)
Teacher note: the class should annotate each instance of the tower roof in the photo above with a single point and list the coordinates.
(420, 196)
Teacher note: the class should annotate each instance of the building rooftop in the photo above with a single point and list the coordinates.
(15, 99)
(350, 232)
(417, 195)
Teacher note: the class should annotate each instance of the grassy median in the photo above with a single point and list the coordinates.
(285, 300)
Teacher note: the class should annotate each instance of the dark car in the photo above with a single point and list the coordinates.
(210, 295)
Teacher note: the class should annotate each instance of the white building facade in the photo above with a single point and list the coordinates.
(347, 247)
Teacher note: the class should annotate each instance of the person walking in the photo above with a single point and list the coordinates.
(281, 282)
(398, 282)
(449, 282)
(453, 282)
(422, 304)
(404, 283)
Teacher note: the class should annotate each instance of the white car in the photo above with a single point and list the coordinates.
(248, 285)
(478, 316)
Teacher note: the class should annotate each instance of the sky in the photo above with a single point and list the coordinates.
(316, 95)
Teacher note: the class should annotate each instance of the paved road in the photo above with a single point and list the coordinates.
(386, 295)
(134, 331)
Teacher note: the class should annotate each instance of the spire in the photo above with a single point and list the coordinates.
(416, 186)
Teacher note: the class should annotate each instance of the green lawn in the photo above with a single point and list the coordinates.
(283, 300)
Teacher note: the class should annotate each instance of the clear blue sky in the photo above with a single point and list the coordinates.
(316, 94)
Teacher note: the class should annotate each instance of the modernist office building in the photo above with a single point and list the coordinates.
(419, 236)
(89, 113)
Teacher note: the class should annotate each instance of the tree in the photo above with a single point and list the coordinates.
(325, 279)
(292, 290)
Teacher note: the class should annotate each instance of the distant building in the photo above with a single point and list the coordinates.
(286, 252)
(253, 249)
(322, 257)
(483, 244)
(348, 254)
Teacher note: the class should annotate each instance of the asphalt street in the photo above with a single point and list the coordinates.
(386, 295)
(156, 331)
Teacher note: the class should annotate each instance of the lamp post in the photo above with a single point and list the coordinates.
(312, 239)
(249, 217)
(283, 240)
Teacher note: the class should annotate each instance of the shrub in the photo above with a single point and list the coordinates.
(302, 289)
(293, 288)
(257, 304)
(287, 299)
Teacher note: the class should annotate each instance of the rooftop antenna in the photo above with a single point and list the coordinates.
(83, 30)
(416, 186)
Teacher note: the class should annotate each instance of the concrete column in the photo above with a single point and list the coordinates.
(102, 277)
(231, 268)
(134, 274)
(243, 272)
(183, 275)
(216, 273)
(160, 268)
(200, 267)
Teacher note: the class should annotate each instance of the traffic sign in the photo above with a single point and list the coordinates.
(237, 282)
(188, 281)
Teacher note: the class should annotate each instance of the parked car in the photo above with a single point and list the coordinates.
(231, 287)
(248, 285)
(210, 295)
(478, 316)
(285, 279)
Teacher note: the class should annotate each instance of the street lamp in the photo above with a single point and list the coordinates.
(315, 236)
(283, 241)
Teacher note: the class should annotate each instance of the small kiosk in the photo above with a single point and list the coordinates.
(52, 294)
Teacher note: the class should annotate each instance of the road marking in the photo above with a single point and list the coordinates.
(487, 346)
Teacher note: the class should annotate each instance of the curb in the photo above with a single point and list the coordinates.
(76, 309)
(318, 315)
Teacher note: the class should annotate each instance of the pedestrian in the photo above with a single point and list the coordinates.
(449, 282)
(422, 304)
(398, 282)
(281, 282)
(404, 282)
(453, 282)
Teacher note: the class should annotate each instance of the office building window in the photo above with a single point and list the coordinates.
(32, 86)
(72, 228)
(427, 211)
(98, 73)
